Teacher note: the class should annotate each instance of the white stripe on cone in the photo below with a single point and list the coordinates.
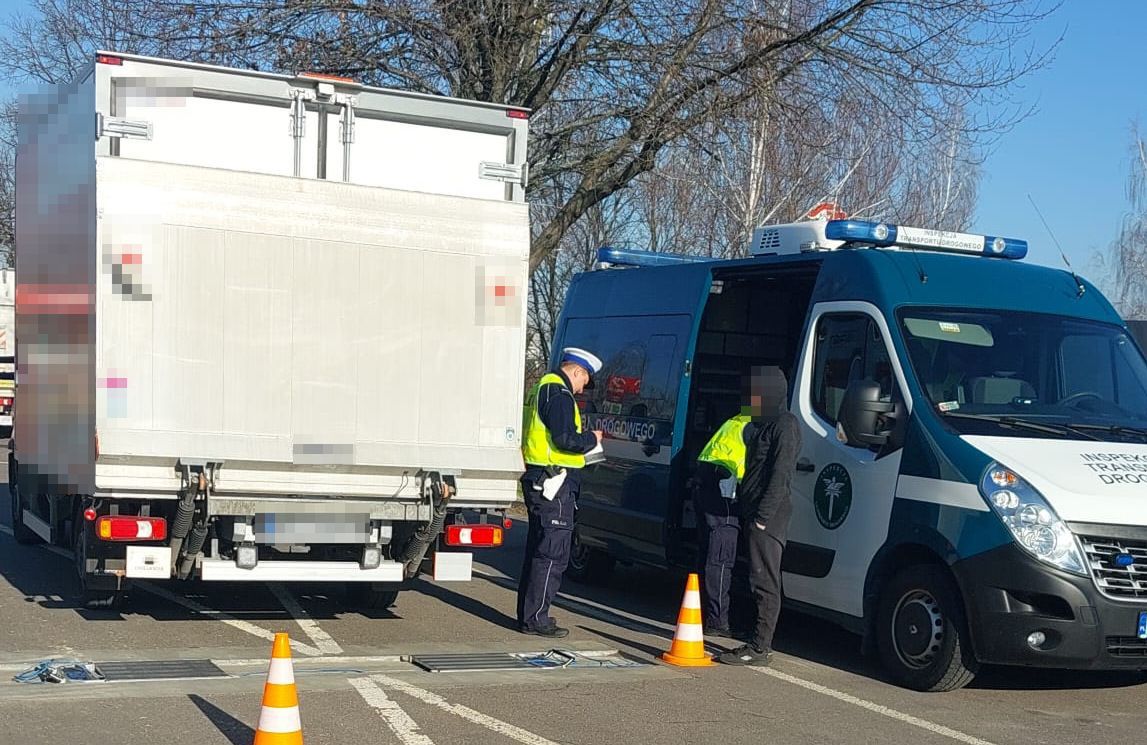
(281, 671)
(692, 599)
(690, 632)
(280, 721)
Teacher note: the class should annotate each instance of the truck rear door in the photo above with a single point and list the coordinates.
(312, 127)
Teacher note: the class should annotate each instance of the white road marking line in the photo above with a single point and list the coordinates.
(322, 640)
(899, 716)
(400, 723)
(465, 712)
(222, 617)
(231, 621)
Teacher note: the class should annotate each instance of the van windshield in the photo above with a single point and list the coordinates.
(1010, 373)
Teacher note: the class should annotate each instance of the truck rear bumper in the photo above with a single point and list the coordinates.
(219, 570)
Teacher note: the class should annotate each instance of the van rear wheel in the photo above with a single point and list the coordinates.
(588, 565)
(922, 636)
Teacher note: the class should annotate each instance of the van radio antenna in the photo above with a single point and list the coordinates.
(1062, 253)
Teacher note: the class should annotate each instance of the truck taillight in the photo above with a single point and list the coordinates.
(121, 528)
(517, 114)
(473, 535)
(107, 59)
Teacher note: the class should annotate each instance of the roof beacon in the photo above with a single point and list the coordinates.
(820, 235)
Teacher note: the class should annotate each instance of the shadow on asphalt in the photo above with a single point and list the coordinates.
(236, 732)
(634, 599)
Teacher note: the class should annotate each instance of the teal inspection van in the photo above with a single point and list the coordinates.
(972, 484)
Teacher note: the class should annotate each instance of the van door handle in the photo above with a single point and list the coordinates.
(806, 465)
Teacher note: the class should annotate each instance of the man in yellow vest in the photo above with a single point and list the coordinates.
(721, 466)
(554, 445)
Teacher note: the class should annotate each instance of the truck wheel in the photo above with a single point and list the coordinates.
(922, 636)
(90, 596)
(368, 597)
(588, 565)
(21, 532)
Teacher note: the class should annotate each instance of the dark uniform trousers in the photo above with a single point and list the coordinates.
(547, 549)
(719, 530)
(765, 553)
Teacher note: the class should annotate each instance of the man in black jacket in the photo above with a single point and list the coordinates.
(766, 507)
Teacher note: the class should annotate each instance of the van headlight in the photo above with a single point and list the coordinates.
(1032, 521)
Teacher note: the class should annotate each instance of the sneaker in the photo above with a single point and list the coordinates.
(748, 654)
(553, 631)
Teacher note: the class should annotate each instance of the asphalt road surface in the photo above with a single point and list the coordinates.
(357, 684)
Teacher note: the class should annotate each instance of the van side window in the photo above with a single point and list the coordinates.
(849, 346)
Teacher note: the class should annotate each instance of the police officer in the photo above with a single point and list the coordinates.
(554, 447)
(721, 467)
(766, 507)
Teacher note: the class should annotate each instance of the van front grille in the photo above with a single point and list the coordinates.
(1118, 566)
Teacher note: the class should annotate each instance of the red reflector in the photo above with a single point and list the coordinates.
(107, 59)
(517, 114)
(89, 514)
(473, 535)
(507, 523)
(120, 528)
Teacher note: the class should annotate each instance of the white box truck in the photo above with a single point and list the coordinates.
(272, 326)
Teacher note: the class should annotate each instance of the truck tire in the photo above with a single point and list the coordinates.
(922, 634)
(91, 596)
(21, 532)
(588, 565)
(369, 597)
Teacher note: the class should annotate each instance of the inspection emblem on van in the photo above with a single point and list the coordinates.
(832, 497)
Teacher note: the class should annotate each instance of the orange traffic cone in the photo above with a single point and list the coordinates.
(279, 722)
(688, 648)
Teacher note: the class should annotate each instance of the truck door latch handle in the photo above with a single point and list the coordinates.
(806, 465)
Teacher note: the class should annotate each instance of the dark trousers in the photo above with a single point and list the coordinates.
(764, 581)
(718, 537)
(547, 550)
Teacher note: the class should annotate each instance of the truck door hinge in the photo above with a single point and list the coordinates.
(506, 172)
(131, 129)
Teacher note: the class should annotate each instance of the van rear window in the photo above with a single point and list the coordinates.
(641, 371)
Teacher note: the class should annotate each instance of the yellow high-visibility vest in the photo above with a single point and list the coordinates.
(538, 448)
(727, 447)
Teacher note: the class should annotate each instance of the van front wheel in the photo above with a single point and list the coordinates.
(921, 632)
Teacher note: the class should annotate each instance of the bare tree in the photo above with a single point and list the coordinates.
(1126, 260)
(614, 82)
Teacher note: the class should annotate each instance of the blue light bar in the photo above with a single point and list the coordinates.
(632, 257)
(883, 235)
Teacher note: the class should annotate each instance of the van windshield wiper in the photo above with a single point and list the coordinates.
(1017, 423)
(1114, 429)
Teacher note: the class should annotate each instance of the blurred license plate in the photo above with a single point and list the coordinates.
(311, 528)
(1143, 624)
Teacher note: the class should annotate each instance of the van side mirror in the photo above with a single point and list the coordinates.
(866, 417)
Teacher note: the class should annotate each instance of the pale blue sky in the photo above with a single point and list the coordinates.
(1073, 153)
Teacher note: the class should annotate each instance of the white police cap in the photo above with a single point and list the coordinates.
(585, 359)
